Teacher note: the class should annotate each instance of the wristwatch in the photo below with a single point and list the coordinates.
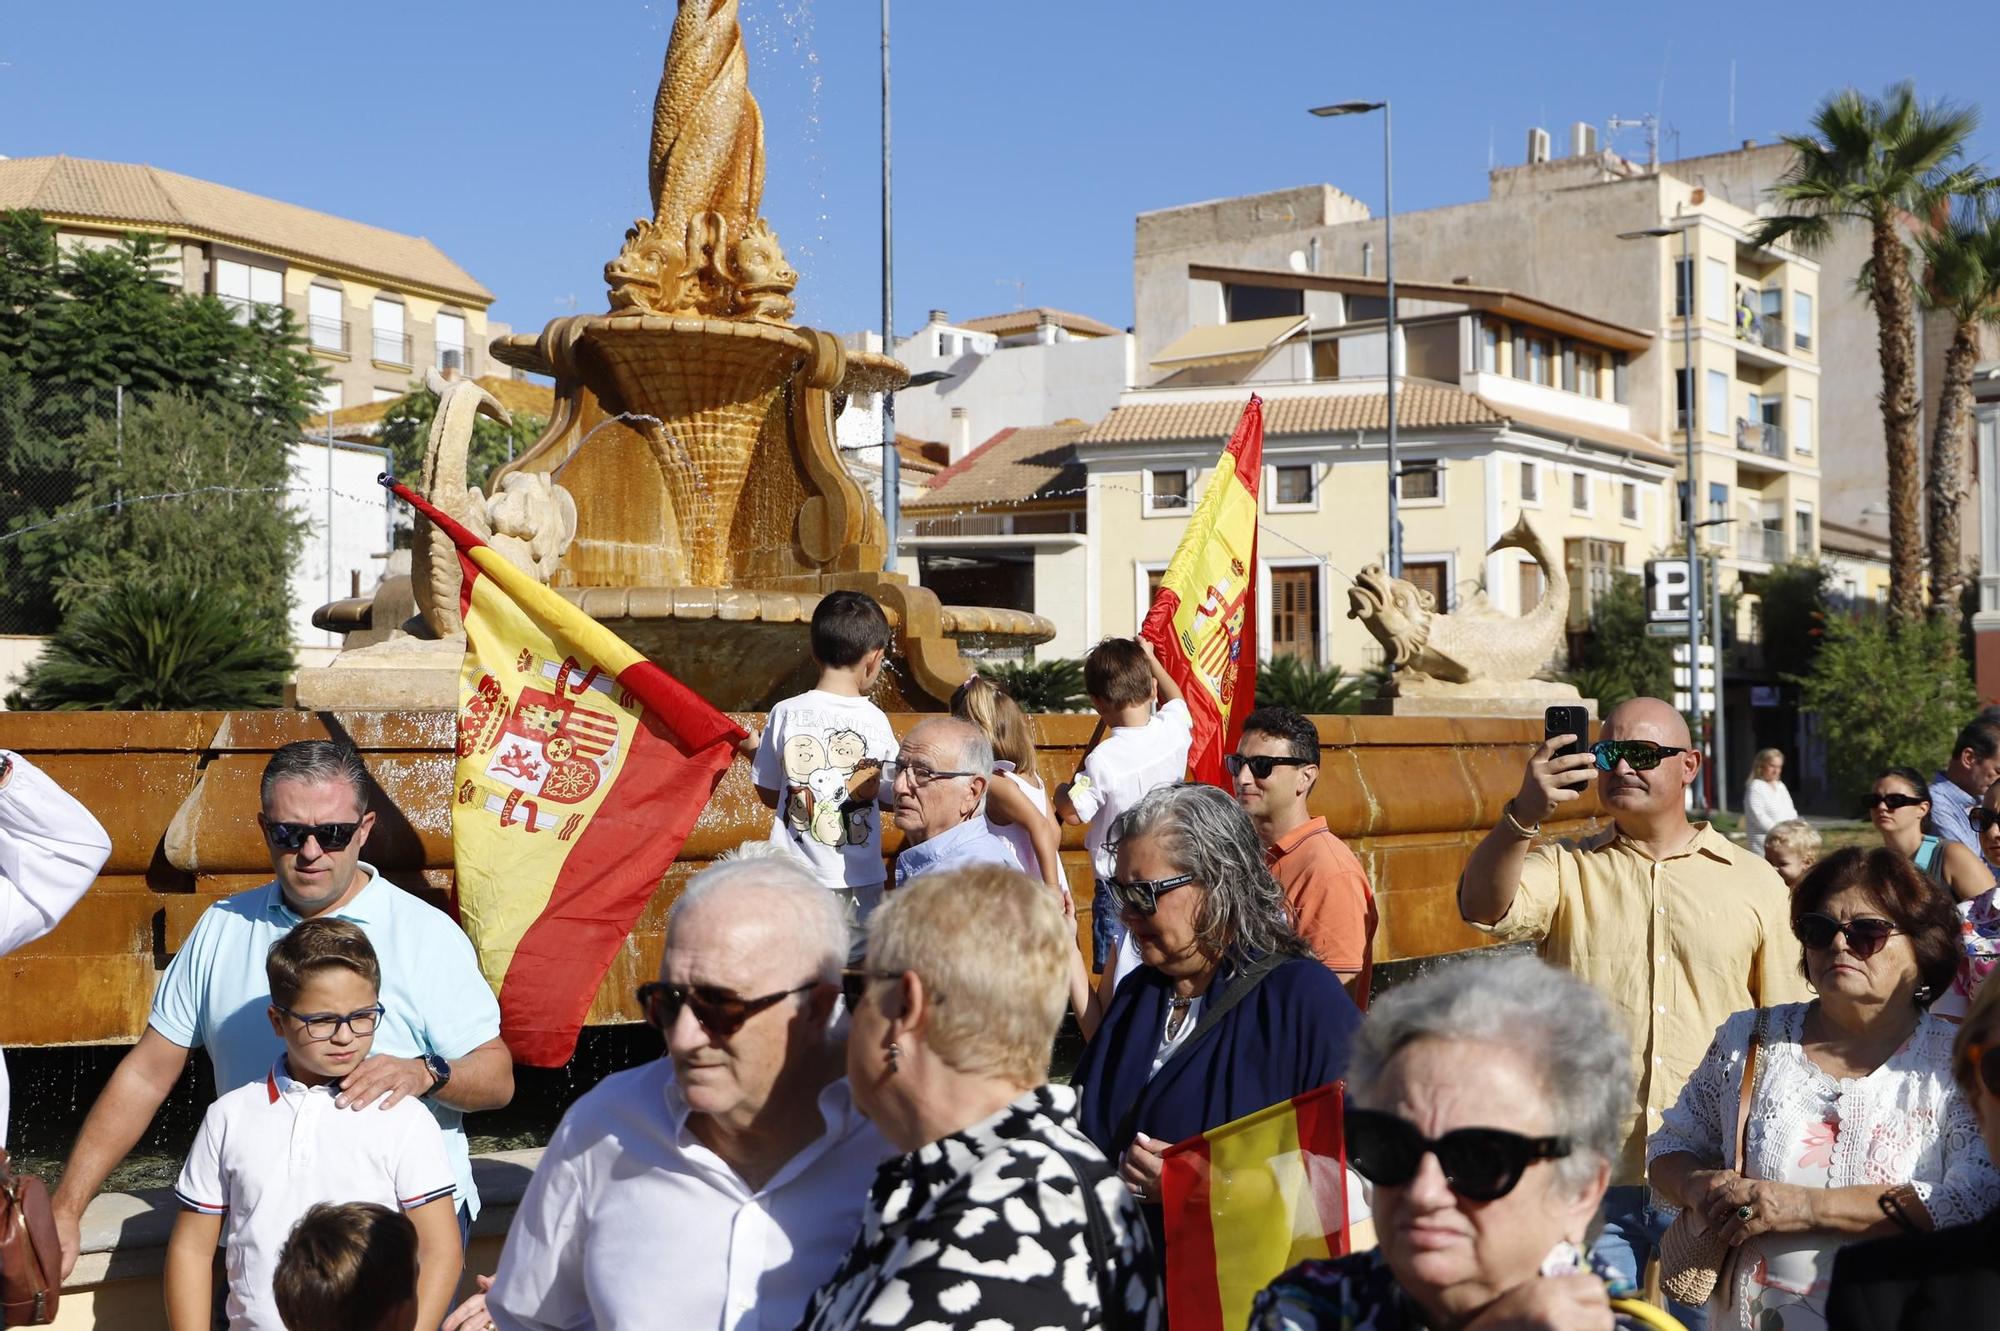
(439, 1069)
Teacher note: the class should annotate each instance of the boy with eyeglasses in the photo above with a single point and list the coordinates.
(268, 1152)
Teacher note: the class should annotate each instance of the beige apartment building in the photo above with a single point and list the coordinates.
(377, 307)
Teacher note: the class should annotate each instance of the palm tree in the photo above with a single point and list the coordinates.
(1880, 162)
(1962, 270)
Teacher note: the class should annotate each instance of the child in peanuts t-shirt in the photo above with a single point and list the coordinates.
(819, 761)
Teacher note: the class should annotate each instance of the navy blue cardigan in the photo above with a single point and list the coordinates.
(1288, 1037)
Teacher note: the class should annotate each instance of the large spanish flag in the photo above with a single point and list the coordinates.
(1247, 1201)
(581, 768)
(1203, 620)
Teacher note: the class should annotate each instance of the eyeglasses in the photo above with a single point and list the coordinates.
(920, 774)
(1985, 819)
(1261, 765)
(292, 836)
(1641, 755)
(1982, 1059)
(1895, 799)
(854, 984)
(1141, 896)
(322, 1025)
(1480, 1164)
(719, 1012)
(1866, 934)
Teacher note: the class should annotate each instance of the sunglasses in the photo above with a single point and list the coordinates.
(1141, 896)
(1641, 755)
(719, 1012)
(1983, 1060)
(1261, 765)
(1866, 934)
(292, 836)
(322, 1025)
(1895, 799)
(854, 984)
(1985, 819)
(1480, 1164)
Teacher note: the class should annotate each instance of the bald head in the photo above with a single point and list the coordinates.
(1647, 718)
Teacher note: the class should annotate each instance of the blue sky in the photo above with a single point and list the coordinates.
(1028, 133)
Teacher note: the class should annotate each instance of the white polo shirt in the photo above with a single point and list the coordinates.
(269, 1151)
(631, 1224)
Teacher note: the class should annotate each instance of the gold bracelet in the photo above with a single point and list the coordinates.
(1521, 830)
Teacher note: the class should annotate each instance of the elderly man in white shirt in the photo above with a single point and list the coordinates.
(719, 1187)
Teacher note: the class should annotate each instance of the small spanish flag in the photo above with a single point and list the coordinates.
(581, 768)
(1203, 620)
(1245, 1202)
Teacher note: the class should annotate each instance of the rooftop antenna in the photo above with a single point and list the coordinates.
(1650, 123)
(1020, 290)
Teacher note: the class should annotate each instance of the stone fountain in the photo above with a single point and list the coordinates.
(694, 429)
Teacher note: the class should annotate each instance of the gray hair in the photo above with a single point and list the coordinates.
(808, 914)
(975, 748)
(1204, 832)
(314, 761)
(1563, 1031)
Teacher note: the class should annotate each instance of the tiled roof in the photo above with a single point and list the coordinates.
(1012, 467)
(135, 197)
(522, 397)
(1420, 404)
(1026, 321)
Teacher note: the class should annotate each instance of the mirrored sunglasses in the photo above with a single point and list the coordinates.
(1866, 934)
(1480, 1164)
(1641, 755)
(1261, 765)
(292, 836)
(718, 1011)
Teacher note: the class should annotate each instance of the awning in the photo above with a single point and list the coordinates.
(1222, 344)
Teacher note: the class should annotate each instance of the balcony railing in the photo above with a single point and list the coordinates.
(391, 348)
(1766, 544)
(1766, 437)
(1766, 330)
(1056, 523)
(327, 334)
(454, 358)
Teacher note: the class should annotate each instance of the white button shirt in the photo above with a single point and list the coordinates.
(631, 1224)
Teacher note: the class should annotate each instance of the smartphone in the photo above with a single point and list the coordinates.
(1568, 720)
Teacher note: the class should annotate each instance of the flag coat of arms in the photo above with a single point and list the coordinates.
(580, 769)
(1203, 620)
(1245, 1202)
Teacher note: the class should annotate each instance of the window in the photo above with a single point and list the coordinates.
(1579, 492)
(1433, 576)
(1541, 362)
(1683, 287)
(385, 395)
(1716, 410)
(1589, 365)
(1295, 614)
(1715, 303)
(1248, 302)
(390, 345)
(1489, 347)
(329, 398)
(242, 285)
(451, 350)
(1802, 320)
(1681, 417)
(1292, 486)
(1530, 576)
(1718, 501)
(1531, 483)
(1628, 501)
(326, 318)
(1802, 530)
(1802, 424)
(1326, 358)
(1593, 566)
(1168, 491)
(1421, 482)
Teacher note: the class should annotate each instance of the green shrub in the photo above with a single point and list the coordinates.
(1286, 681)
(1041, 686)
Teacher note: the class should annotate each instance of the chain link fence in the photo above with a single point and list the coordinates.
(40, 426)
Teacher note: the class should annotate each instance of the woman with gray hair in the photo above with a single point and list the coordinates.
(1485, 1102)
(1230, 1013)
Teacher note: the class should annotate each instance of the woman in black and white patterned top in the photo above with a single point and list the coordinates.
(1003, 1214)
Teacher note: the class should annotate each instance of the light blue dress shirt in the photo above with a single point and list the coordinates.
(972, 842)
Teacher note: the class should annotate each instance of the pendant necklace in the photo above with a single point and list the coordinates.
(1177, 1011)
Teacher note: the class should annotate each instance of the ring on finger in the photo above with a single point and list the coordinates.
(1745, 1211)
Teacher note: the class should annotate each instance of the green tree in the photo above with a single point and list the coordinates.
(408, 425)
(1885, 693)
(1879, 162)
(158, 647)
(1792, 608)
(1962, 280)
(1617, 658)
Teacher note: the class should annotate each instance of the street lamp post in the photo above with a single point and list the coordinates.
(1689, 525)
(1389, 273)
(892, 470)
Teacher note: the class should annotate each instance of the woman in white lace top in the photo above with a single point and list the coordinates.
(1855, 1125)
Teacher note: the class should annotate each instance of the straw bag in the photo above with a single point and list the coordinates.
(1693, 1260)
(30, 1256)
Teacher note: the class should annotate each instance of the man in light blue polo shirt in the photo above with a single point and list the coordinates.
(439, 1038)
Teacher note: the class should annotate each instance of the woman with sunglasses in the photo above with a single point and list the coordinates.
(1486, 1102)
(1899, 805)
(1001, 1213)
(1855, 1128)
(1230, 1012)
(1949, 1278)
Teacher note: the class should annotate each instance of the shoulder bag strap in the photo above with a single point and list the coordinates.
(1240, 986)
(1747, 1088)
(1102, 1250)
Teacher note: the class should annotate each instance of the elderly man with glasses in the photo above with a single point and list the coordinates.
(940, 779)
(439, 1037)
(719, 1186)
(1674, 923)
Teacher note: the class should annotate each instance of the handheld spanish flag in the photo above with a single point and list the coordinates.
(581, 768)
(1203, 620)
(1245, 1202)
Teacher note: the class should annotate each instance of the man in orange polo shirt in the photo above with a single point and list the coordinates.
(1275, 766)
